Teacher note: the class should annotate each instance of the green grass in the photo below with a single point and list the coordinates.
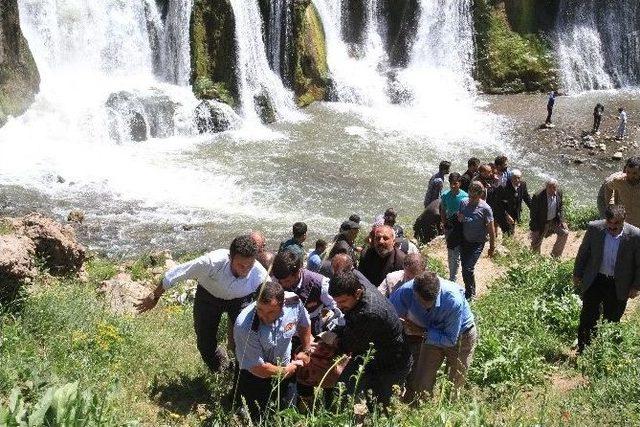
(120, 370)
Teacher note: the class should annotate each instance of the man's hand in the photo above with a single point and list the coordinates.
(577, 282)
(411, 328)
(150, 301)
(633, 293)
(303, 357)
(290, 369)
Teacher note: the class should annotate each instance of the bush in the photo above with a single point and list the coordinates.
(578, 216)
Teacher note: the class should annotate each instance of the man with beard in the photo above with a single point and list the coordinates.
(509, 202)
(473, 164)
(383, 257)
(626, 186)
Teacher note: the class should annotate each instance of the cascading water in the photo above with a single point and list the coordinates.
(356, 76)
(255, 77)
(280, 38)
(598, 44)
(176, 56)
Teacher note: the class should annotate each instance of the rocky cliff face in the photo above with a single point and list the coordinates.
(19, 77)
(311, 72)
(213, 51)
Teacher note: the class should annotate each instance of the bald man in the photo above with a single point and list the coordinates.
(383, 257)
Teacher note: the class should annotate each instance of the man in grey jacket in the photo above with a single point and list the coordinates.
(607, 270)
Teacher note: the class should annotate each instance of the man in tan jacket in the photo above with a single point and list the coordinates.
(626, 187)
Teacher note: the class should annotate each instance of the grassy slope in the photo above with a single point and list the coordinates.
(147, 368)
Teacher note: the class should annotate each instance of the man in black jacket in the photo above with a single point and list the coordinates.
(382, 257)
(547, 218)
(509, 202)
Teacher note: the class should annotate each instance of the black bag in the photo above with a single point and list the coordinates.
(454, 235)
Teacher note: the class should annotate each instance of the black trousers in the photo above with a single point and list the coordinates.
(549, 114)
(601, 293)
(207, 312)
(258, 392)
(596, 123)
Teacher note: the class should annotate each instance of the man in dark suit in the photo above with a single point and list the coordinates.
(607, 270)
(547, 218)
(509, 202)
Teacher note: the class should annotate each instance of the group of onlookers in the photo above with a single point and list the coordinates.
(373, 315)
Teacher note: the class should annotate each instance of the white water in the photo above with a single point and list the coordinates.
(356, 76)
(176, 53)
(279, 38)
(254, 74)
(598, 44)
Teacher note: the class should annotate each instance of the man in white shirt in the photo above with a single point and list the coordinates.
(227, 280)
(622, 123)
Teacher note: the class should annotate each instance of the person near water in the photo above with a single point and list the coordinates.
(226, 280)
(436, 183)
(547, 218)
(449, 207)
(550, 104)
(598, 111)
(509, 203)
(473, 164)
(626, 187)
(296, 243)
(314, 262)
(622, 123)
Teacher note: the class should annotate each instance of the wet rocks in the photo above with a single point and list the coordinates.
(264, 108)
(76, 216)
(137, 116)
(617, 156)
(212, 116)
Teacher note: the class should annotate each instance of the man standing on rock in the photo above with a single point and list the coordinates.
(550, 104)
(622, 123)
(598, 111)
(625, 186)
(226, 280)
(606, 271)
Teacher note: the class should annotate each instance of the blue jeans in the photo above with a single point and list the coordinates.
(469, 255)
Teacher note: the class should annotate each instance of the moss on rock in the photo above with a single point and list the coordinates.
(19, 77)
(213, 51)
(509, 62)
(311, 72)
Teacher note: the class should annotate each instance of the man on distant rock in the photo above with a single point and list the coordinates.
(622, 124)
(626, 186)
(227, 280)
(550, 104)
(598, 111)
(383, 257)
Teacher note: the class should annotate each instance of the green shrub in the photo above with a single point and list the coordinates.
(578, 216)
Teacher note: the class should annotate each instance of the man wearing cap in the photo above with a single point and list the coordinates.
(263, 334)
(226, 281)
(346, 239)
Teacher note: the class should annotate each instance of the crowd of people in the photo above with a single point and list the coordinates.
(373, 316)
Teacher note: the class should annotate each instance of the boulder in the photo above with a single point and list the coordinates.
(76, 216)
(213, 116)
(54, 244)
(264, 108)
(617, 155)
(121, 293)
(19, 77)
(310, 68)
(137, 116)
(16, 264)
(213, 51)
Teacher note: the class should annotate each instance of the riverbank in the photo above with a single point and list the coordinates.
(65, 340)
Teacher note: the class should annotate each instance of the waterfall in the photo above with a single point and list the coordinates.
(356, 76)
(598, 44)
(441, 58)
(280, 38)
(255, 77)
(176, 58)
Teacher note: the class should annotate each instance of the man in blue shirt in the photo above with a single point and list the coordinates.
(449, 207)
(315, 257)
(263, 332)
(439, 308)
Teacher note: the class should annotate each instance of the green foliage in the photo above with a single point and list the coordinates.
(311, 70)
(5, 227)
(509, 62)
(62, 405)
(204, 88)
(99, 269)
(526, 321)
(578, 216)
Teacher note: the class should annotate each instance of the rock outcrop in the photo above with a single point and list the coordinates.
(311, 71)
(401, 20)
(121, 293)
(19, 77)
(54, 244)
(213, 51)
(137, 116)
(16, 264)
(214, 116)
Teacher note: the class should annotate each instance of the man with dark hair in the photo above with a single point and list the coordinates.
(606, 271)
(226, 281)
(295, 244)
(503, 175)
(315, 257)
(390, 216)
(622, 124)
(472, 169)
(355, 218)
(509, 198)
(436, 183)
(383, 257)
(312, 288)
(370, 322)
(438, 310)
(345, 240)
(263, 334)
(550, 104)
(342, 263)
(449, 207)
(547, 218)
(626, 186)
(414, 264)
(598, 111)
